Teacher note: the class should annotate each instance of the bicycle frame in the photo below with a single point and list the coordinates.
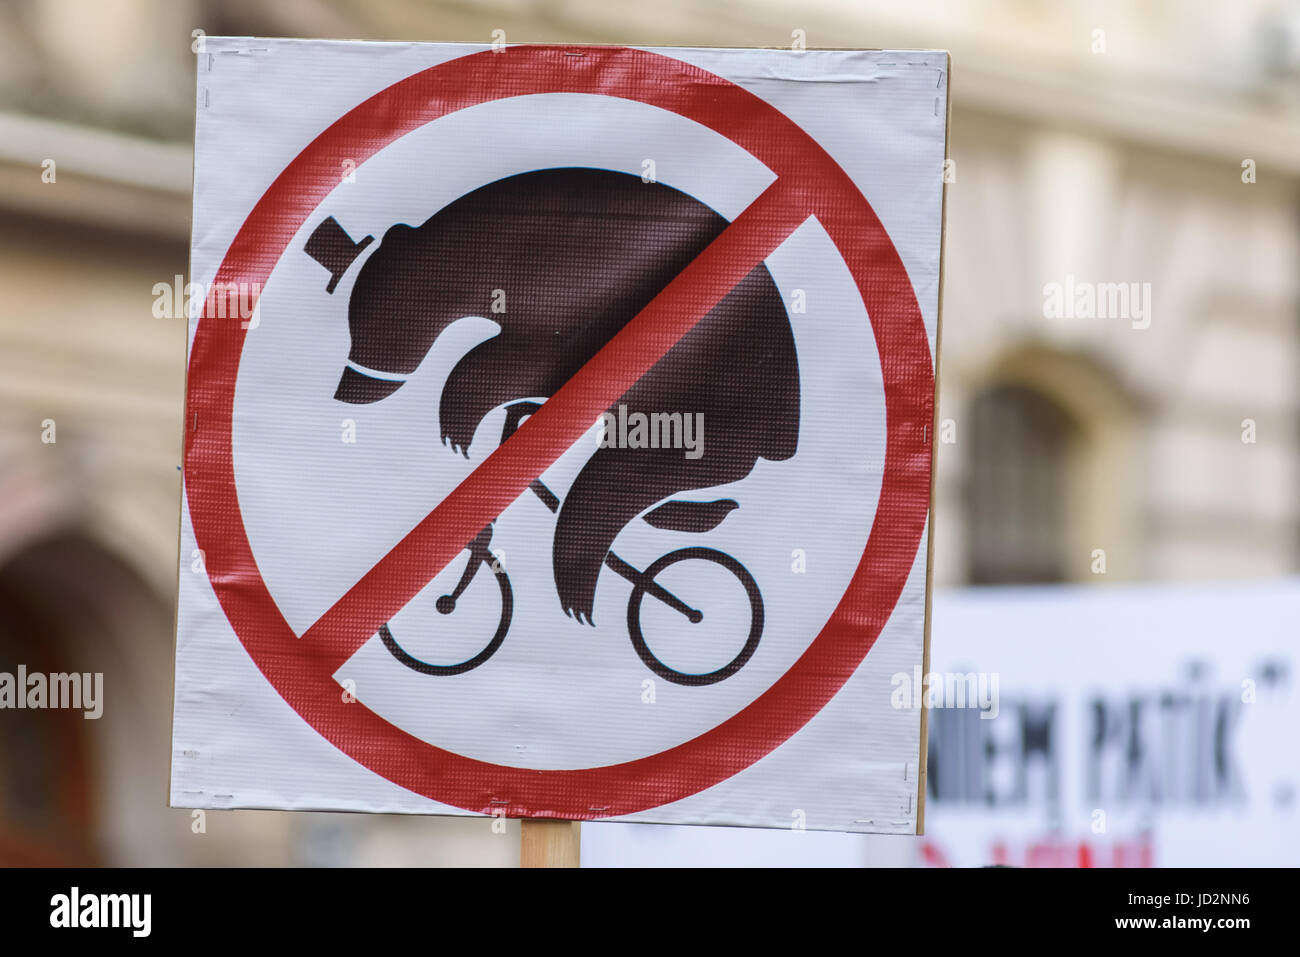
(515, 414)
(643, 583)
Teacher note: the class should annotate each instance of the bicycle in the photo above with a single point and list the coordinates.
(643, 584)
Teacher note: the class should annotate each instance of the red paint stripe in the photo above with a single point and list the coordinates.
(490, 489)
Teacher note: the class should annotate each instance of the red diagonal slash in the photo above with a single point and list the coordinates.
(505, 475)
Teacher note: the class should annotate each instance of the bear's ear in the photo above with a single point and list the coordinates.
(682, 516)
(331, 246)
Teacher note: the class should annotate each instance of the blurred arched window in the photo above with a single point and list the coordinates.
(44, 801)
(1016, 491)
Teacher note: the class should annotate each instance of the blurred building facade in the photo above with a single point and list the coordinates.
(1094, 145)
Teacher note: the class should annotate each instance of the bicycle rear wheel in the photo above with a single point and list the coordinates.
(642, 587)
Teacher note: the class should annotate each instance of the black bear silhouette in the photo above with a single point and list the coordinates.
(577, 252)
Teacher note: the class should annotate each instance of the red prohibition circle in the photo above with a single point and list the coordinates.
(301, 672)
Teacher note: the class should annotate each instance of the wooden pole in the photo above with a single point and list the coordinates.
(548, 843)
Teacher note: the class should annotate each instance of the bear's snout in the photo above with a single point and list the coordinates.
(361, 389)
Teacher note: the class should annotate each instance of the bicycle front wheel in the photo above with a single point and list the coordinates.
(430, 668)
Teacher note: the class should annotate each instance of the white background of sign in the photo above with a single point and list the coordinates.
(320, 512)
